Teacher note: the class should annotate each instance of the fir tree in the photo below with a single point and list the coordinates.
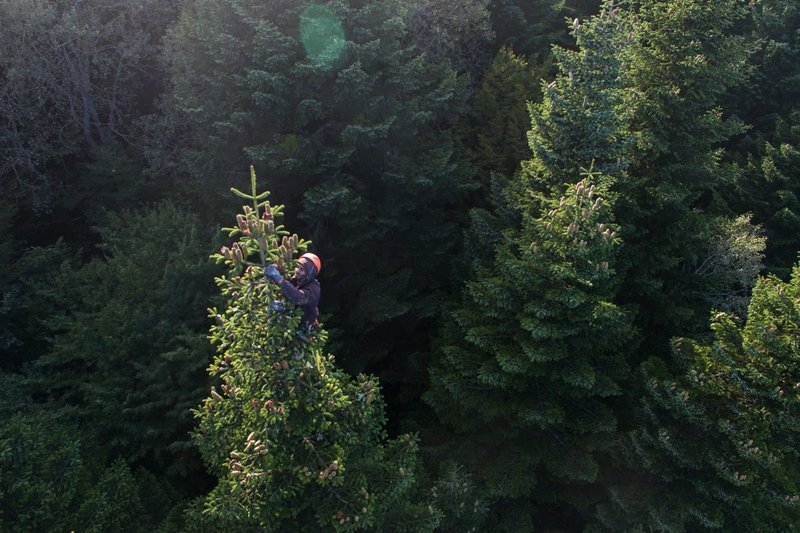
(128, 356)
(682, 58)
(495, 129)
(719, 447)
(768, 186)
(582, 120)
(534, 353)
(528, 27)
(297, 444)
(579, 123)
(771, 92)
(767, 155)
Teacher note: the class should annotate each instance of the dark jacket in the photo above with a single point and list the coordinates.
(305, 296)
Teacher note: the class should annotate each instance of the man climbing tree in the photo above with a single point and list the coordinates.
(295, 443)
(303, 290)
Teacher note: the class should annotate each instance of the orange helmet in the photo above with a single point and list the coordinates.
(314, 259)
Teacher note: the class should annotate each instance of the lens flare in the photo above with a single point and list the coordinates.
(322, 35)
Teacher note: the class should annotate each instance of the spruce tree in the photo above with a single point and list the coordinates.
(127, 355)
(767, 185)
(682, 59)
(296, 444)
(720, 446)
(531, 358)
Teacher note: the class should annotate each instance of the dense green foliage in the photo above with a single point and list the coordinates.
(683, 59)
(537, 346)
(135, 383)
(719, 444)
(494, 132)
(766, 181)
(56, 477)
(355, 135)
(297, 444)
(526, 212)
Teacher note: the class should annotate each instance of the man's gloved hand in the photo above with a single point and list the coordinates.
(272, 274)
(276, 306)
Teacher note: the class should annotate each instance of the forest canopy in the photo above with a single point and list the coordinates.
(399, 265)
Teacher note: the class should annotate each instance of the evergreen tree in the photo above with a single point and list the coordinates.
(768, 186)
(682, 58)
(579, 123)
(495, 128)
(30, 294)
(719, 447)
(532, 359)
(581, 120)
(533, 354)
(296, 444)
(767, 153)
(55, 477)
(528, 27)
(129, 360)
(350, 116)
(772, 91)
(454, 31)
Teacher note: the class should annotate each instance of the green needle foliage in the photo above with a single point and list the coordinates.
(581, 120)
(129, 351)
(297, 444)
(721, 443)
(683, 57)
(495, 129)
(534, 354)
(358, 142)
(769, 185)
(53, 477)
(527, 26)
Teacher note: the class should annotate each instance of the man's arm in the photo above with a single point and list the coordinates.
(297, 296)
(308, 295)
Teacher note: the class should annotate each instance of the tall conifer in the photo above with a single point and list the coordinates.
(296, 443)
(128, 353)
(683, 57)
(768, 155)
(533, 354)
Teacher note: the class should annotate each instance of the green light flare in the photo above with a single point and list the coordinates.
(322, 35)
